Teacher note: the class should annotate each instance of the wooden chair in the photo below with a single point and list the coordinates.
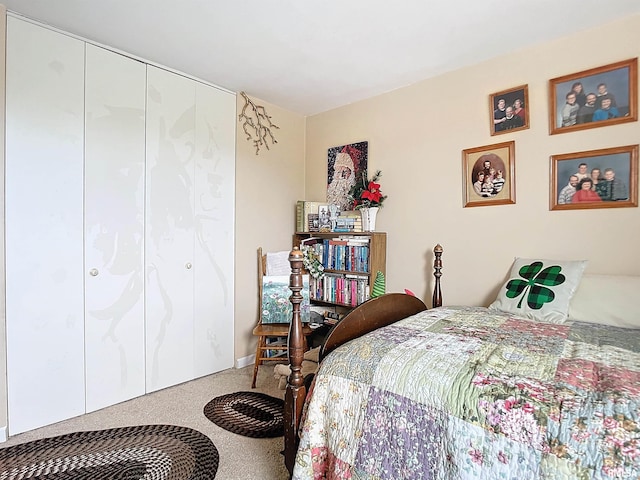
(265, 331)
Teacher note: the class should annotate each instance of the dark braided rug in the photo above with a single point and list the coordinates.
(252, 414)
(128, 453)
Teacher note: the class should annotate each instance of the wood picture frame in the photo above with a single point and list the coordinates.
(496, 162)
(612, 174)
(509, 110)
(615, 84)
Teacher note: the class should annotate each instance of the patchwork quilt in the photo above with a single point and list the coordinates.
(468, 393)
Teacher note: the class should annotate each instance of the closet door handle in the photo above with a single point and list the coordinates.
(188, 266)
(93, 272)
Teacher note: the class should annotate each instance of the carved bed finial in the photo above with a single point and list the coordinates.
(437, 267)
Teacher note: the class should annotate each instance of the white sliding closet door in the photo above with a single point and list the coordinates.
(170, 228)
(214, 245)
(189, 230)
(114, 227)
(44, 269)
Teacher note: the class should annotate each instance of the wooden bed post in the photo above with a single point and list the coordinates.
(437, 267)
(296, 392)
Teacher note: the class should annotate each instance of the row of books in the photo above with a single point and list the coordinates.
(350, 290)
(342, 253)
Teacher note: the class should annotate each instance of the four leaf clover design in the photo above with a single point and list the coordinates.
(536, 280)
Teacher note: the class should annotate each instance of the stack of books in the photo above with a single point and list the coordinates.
(349, 221)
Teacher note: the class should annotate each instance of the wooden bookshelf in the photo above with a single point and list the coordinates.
(338, 287)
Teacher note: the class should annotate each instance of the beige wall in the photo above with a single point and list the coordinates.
(267, 187)
(416, 136)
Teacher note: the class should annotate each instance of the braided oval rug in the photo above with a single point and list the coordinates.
(129, 453)
(251, 414)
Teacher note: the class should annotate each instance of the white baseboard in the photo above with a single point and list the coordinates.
(3, 434)
(246, 361)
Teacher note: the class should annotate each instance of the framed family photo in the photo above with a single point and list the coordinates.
(605, 178)
(488, 175)
(594, 98)
(509, 110)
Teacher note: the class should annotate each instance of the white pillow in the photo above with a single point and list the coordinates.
(608, 300)
(540, 289)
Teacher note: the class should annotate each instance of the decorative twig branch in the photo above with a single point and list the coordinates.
(257, 124)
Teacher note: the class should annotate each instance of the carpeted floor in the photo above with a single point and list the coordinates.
(241, 458)
(158, 452)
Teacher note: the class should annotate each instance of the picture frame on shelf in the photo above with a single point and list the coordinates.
(610, 179)
(488, 175)
(324, 218)
(598, 97)
(314, 222)
(509, 110)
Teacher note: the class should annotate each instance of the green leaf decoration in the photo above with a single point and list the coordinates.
(536, 280)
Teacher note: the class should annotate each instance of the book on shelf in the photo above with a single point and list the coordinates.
(303, 209)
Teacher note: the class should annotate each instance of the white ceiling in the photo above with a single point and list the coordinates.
(311, 56)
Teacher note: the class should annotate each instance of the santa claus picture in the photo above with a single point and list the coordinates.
(345, 163)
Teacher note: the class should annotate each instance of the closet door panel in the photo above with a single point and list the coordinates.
(114, 227)
(214, 243)
(170, 228)
(44, 259)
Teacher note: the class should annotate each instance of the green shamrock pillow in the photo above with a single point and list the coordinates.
(540, 289)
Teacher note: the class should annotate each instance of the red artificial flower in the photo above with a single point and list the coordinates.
(366, 193)
(372, 193)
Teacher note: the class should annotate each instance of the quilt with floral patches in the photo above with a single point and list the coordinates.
(468, 393)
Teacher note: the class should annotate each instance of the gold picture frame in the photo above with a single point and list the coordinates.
(614, 85)
(509, 110)
(496, 162)
(611, 179)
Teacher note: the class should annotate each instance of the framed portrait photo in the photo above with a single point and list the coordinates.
(488, 175)
(324, 219)
(594, 98)
(605, 178)
(509, 110)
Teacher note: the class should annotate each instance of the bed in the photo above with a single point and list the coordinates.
(471, 392)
